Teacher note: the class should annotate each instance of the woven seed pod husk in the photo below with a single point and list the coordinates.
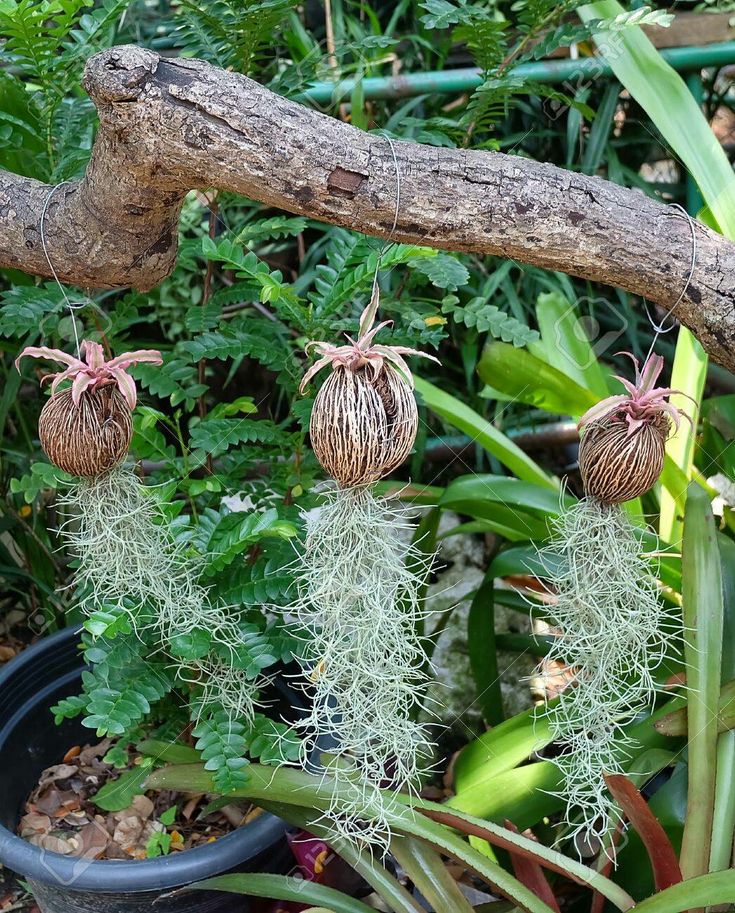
(363, 427)
(618, 466)
(90, 438)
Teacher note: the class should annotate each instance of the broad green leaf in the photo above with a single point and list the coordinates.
(429, 874)
(169, 752)
(524, 377)
(723, 825)
(500, 749)
(716, 888)
(565, 343)
(664, 95)
(289, 786)
(503, 490)
(119, 794)
(457, 414)
(702, 606)
(687, 376)
(483, 652)
(284, 887)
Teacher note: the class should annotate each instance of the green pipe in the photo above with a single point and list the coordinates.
(448, 82)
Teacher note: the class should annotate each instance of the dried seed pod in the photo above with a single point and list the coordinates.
(616, 464)
(363, 423)
(89, 438)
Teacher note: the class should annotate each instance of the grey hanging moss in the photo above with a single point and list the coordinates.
(359, 583)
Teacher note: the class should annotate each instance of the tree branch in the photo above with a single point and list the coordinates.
(167, 126)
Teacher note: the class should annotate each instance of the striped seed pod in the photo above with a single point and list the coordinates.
(616, 464)
(363, 423)
(89, 438)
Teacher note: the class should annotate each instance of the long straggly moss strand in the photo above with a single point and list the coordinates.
(613, 630)
(127, 558)
(365, 664)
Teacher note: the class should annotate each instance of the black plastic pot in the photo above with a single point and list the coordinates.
(30, 742)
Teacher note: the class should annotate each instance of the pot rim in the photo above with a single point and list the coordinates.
(112, 876)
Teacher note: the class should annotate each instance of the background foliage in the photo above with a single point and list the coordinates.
(222, 433)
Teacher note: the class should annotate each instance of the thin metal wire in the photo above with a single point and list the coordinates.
(72, 306)
(660, 328)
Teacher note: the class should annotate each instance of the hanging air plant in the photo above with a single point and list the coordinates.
(359, 582)
(117, 529)
(613, 628)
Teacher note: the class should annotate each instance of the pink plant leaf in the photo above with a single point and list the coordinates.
(629, 386)
(650, 373)
(96, 371)
(152, 356)
(79, 385)
(94, 354)
(636, 363)
(313, 370)
(366, 341)
(375, 365)
(127, 386)
(605, 407)
(69, 374)
(321, 347)
(405, 350)
(50, 354)
(397, 360)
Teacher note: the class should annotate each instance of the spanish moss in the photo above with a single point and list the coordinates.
(360, 609)
(613, 631)
(120, 535)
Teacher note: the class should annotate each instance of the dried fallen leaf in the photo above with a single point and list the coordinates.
(53, 843)
(93, 841)
(34, 823)
(73, 752)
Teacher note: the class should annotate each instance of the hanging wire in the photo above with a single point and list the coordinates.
(72, 306)
(367, 317)
(660, 328)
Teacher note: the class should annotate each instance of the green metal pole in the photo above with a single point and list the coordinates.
(448, 82)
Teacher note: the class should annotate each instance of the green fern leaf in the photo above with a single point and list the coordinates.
(487, 318)
(271, 742)
(222, 744)
(443, 271)
(215, 436)
(24, 309)
(233, 533)
(175, 380)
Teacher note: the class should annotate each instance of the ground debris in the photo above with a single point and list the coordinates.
(61, 814)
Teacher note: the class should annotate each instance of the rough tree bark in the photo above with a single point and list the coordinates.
(167, 126)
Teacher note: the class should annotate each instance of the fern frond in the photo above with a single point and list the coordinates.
(231, 33)
(479, 314)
